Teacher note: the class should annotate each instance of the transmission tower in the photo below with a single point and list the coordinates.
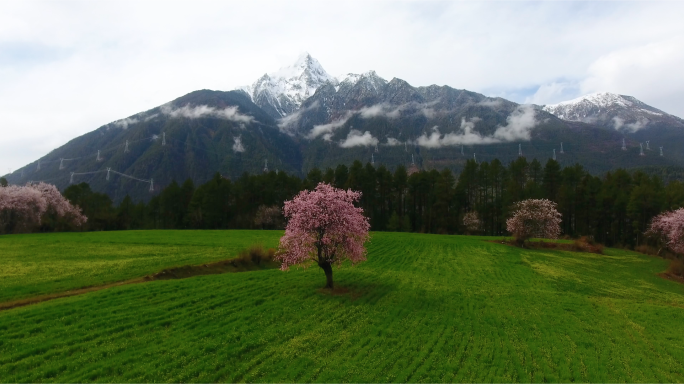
(661, 151)
(372, 159)
(405, 147)
(561, 151)
(98, 155)
(61, 163)
(648, 148)
(520, 150)
(641, 147)
(151, 185)
(554, 154)
(163, 138)
(376, 148)
(107, 178)
(412, 162)
(71, 180)
(624, 146)
(266, 165)
(474, 158)
(22, 173)
(126, 148)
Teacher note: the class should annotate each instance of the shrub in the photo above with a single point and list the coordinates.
(676, 268)
(256, 255)
(587, 244)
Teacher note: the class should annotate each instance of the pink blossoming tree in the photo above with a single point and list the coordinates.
(472, 222)
(324, 227)
(669, 228)
(534, 218)
(23, 207)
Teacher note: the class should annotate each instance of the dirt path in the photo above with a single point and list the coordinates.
(219, 267)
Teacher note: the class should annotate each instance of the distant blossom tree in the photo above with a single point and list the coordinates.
(268, 217)
(472, 222)
(23, 207)
(324, 227)
(669, 228)
(534, 218)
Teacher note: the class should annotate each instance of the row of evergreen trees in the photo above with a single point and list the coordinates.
(615, 209)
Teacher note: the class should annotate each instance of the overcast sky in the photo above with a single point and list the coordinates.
(67, 68)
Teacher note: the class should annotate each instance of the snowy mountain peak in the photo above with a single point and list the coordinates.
(599, 99)
(282, 92)
(610, 110)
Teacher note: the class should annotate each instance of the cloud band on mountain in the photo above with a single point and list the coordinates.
(378, 110)
(518, 126)
(199, 111)
(326, 130)
(357, 139)
(288, 124)
(619, 123)
(124, 123)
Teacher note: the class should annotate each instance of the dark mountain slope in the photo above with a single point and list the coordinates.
(194, 136)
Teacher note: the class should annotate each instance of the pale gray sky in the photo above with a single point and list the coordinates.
(68, 67)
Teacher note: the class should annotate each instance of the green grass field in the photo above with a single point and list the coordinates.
(46, 263)
(423, 308)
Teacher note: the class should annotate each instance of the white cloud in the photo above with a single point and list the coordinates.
(619, 123)
(466, 137)
(392, 142)
(237, 144)
(519, 125)
(124, 123)
(228, 113)
(357, 139)
(380, 110)
(326, 130)
(288, 123)
(394, 112)
(430, 113)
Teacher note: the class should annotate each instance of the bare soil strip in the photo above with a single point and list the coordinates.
(183, 272)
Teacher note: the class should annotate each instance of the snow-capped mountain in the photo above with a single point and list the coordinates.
(612, 110)
(282, 92)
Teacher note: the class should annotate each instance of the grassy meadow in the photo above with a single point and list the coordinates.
(423, 308)
(36, 264)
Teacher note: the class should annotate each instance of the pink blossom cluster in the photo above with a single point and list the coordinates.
(534, 218)
(323, 225)
(23, 207)
(669, 226)
(471, 221)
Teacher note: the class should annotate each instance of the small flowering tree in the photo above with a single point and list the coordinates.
(471, 222)
(324, 227)
(23, 207)
(534, 218)
(669, 228)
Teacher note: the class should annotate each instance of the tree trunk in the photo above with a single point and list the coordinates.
(327, 268)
